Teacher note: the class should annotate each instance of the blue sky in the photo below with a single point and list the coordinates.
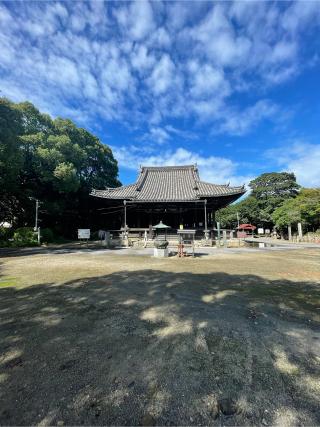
(231, 86)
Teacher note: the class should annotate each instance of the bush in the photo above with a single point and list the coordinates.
(25, 236)
(47, 235)
(5, 233)
(94, 235)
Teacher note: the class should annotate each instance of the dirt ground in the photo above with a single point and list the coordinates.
(96, 338)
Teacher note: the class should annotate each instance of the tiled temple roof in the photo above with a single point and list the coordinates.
(169, 184)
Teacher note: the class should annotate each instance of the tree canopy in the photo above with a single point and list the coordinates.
(274, 184)
(305, 208)
(247, 210)
(52, 160)
(268, 192)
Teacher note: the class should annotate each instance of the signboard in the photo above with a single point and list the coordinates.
(84, 233)
(267, 231)
(260, 231)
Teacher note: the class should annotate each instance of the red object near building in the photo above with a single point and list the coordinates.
(245, 229)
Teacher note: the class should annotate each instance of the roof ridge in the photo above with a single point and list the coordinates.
(167, 167)
(194, 175)
(141, 179)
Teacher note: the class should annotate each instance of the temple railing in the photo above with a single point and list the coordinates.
(142, 233)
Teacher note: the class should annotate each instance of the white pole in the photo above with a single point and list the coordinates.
(36, 228)
(37, 207)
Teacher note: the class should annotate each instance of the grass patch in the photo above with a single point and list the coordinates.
(8, 281)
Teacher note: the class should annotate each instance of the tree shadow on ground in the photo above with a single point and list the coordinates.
(152, 347)
(59, 249)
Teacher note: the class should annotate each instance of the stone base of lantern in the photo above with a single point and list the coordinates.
(160, 253)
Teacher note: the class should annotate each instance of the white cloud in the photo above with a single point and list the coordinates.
(137, 19)
(207, 81)
(301, 13)
(116, 74)
(141, 59)
(5, 16)
(163, 135)
(160, 39)
(178, 13)
(62, 71)
(213, 169)
(239, 122)
(283, 51)
(7, 51)
(156, 134)
(185, 134)
(280, 75)
(219, 40)
(302, 158)
(163, 75)
(147, 63)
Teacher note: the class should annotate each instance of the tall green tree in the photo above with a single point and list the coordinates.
(268, 192)
(271, 190)
(247, 210)
(10, 157)
(51, 160)
(281, 185)
(305, 208)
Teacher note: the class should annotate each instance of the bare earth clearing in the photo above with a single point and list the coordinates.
(97, 338)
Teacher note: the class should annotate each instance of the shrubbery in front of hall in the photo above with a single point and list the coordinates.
(21, 237)
(24, 236)
(5, 236)
(47, 235)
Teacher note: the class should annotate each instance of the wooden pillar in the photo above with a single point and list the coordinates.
(150, 224)
(289, 232)
(300, 230)
(138, 217)
(125, 215)
(205, 220)
(196, 215)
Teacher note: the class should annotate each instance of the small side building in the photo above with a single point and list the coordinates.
(172, 194)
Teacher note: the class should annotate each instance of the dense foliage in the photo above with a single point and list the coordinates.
(305, 208)
(52, 160)
(25, 236)
(268, 192)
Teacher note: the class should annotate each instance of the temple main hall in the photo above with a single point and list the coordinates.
(174, 195)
